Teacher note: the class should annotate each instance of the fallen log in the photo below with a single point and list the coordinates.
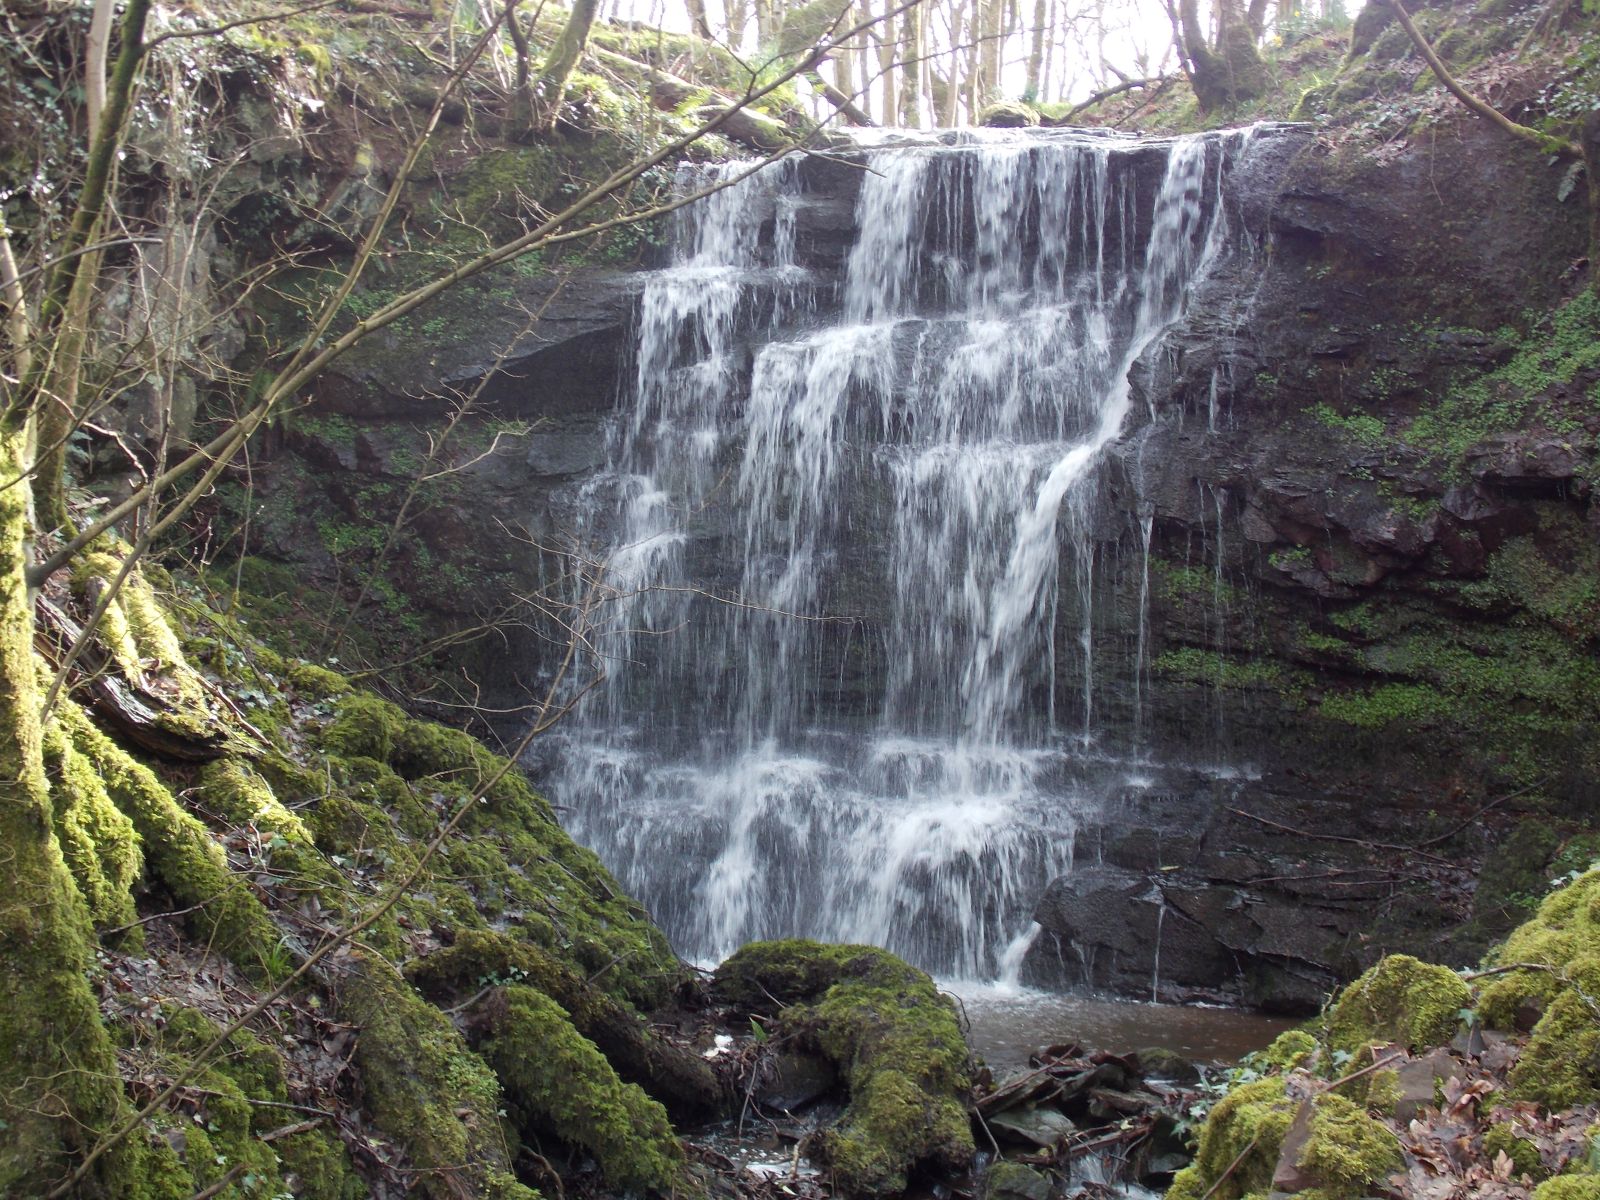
(746, 126)
(679, 1078)
(139, 717)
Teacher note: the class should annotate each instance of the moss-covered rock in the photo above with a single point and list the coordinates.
(1246, 1127)
(1559, 991)
(895, 1040)
(1289, 1049)
(1008, 114)
(1399, 1000)
(1569, 1187)
(1347, 1150)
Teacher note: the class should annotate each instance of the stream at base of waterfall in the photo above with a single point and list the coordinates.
(841, 563)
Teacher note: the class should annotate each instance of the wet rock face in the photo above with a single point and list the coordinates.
(1316, 576)
(1351, 490)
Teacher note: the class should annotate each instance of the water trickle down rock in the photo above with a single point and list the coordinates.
(842, 546)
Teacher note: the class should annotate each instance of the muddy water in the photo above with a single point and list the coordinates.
(1006, 1024)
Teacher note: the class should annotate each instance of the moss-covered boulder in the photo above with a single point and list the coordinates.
(894, 1039)
(1347, 1150)
(1569, 1187)
(1259, 1138)
(1557, 990)
(1399, 1000)
(1008, 114)
(1244, 1130)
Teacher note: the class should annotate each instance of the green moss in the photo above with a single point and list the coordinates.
(180, 853)
(1387, 704)
(319, 683)
(1569, 1187)
(1363, 429)
(1347, 1149)
(1399, 1000)
(1383, 1091)
(1502, 1138)
(236, 1092)
(97, 839)
(1500, 400)
(233, 791)
(1214, 669)
(363, 727)
(1246, 1127)
(893, 1036)
(556, 1079)
(423, 1085)
(512, 853)
(135, 627)
(1560, 1065)
(1008, 114)
(1289, 1049)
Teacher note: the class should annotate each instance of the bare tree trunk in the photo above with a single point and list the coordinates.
(1031, 92)
(911, 44)
(1256, 15)
(96, 56)
(844, 58)
(738, 14)
(990, 17)
(886, 65)
(698, 19)
(1049, 83)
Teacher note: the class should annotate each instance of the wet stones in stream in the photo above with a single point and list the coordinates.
(1072, 1106)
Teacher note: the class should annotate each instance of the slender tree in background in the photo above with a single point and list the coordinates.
(562, 61)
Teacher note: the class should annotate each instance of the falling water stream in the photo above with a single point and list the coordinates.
(849, 633)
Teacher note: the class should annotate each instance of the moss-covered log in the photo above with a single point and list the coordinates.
(558, 1081)
(895, 1040)
(679, 1078)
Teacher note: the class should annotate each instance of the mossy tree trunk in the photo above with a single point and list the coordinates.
(58, 1077)
(562, 61)
(1228, 71)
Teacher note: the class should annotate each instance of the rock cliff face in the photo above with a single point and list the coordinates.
(1366, 513)
(1345, 562)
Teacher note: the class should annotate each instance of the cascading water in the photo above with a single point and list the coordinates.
(849, 556)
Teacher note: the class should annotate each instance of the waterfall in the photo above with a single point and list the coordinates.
(848, 542)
